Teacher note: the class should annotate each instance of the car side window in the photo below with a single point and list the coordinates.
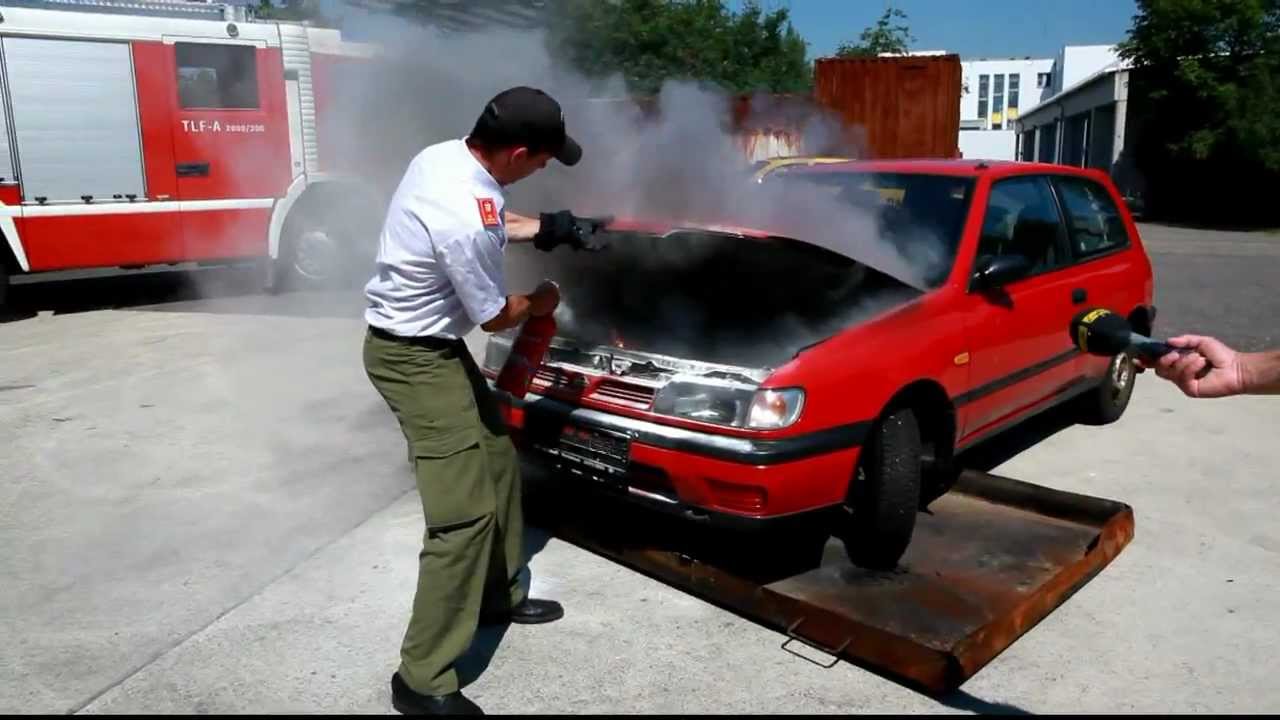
(1093, 221)
(1022, 219)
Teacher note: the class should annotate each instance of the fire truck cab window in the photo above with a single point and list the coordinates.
(217, 76)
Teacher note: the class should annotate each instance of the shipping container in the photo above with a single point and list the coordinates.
(770, 126)
(906, 106)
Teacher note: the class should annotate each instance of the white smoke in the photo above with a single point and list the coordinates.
(676, 160)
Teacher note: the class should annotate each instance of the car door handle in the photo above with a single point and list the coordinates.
(193, 169)
(1079, 295)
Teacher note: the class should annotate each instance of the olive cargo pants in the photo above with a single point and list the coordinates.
(469, 482)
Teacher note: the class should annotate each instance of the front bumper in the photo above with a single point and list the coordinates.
(697, 475)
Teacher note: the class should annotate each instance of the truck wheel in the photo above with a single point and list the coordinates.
(885, 493)
(313, 256)
(1107, 402)
(4, 287)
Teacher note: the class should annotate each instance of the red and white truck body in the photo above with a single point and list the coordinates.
(129, 140)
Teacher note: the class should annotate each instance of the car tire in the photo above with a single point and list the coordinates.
(1108, 401)
(884, 496)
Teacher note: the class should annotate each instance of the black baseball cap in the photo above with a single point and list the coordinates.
(530, 117)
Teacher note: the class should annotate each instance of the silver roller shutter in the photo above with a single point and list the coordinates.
(75, 117)
(7, 174)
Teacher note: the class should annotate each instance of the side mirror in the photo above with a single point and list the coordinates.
(994, 272)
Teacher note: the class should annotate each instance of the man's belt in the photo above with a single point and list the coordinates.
(427, 341)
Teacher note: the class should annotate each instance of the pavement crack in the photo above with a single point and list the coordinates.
(251, 596)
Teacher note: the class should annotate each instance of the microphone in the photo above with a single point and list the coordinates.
(1099, 331)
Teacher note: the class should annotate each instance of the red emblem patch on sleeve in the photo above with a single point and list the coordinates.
(488, 211)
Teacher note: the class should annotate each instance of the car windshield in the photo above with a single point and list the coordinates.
(912, 209)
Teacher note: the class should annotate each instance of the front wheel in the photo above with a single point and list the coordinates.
(884, 497)
(314, 255)
(326, 244)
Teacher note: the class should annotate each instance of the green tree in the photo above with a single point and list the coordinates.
(1212, 70)
(883, 37)
(647, 42)
(651, 41)
(293, 10)
(1205, 91)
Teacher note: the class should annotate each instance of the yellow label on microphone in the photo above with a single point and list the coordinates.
(1082, 332)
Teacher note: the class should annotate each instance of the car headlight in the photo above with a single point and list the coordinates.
(775, 408)
(733, 405)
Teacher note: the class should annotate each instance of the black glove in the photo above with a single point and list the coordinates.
(564, 228)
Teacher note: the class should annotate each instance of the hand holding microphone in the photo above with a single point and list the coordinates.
(1099, 331)
(1202, 367)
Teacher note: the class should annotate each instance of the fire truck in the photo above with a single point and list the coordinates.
(159, 132)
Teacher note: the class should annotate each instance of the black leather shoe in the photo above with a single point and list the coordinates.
(408, 701)
(528, 612)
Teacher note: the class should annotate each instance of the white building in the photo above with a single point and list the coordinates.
(1080, 61)
(997, 91)
(1087, 124)
(992, 93)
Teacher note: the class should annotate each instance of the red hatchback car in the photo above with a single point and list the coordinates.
(686, 391)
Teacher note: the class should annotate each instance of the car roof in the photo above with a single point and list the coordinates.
(935, 166)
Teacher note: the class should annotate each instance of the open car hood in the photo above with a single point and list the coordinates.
(719, 294)
(662, 228)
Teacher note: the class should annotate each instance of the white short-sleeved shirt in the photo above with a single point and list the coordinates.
(439, 267)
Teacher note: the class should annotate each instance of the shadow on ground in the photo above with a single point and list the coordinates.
(489, 638)
(228, 290)
(990, 454)
(961, 700)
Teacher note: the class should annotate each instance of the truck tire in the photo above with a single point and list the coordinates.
(1105, 403)
(884, 496)
(313, 252)
(4, 287)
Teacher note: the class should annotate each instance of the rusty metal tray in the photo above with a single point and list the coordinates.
(989, 560)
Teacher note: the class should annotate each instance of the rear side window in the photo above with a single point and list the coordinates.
(217, 76)
(1093, 221)
(1022, 219)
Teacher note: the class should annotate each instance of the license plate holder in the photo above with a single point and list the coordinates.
(589, 453)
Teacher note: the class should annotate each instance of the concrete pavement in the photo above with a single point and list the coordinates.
(210, 513)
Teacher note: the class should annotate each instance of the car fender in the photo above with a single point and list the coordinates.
(853, 376)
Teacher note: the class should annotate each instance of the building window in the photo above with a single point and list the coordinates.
(997, 104)
(217, 76)
(1043, 80)
(983, 87)
(1014, 82)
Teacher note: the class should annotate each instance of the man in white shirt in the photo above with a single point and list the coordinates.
(439, 276)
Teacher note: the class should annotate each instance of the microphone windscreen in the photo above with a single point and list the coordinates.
(1100, 332)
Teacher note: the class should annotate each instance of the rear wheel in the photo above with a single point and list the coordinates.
(884, 497)
(1107, 402)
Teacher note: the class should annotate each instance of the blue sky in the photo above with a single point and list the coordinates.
(993, 28)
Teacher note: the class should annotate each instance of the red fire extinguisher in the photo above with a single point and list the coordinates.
(526, 355)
